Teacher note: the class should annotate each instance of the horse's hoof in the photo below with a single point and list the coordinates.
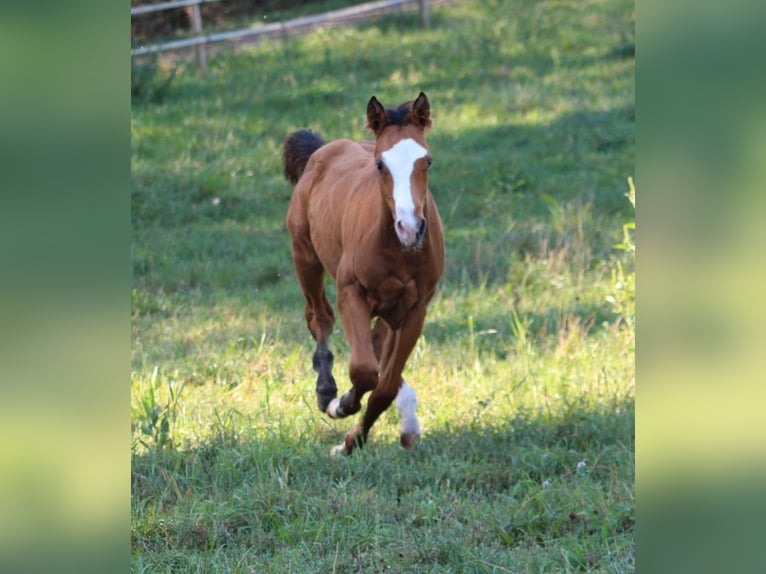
(353, 440)
(339, 451)
(409, 440)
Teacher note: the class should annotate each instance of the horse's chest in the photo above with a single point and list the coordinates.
(393, 299)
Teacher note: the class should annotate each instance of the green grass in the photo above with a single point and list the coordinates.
(525, 367)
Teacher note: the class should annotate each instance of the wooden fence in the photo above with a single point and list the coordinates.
(199, 41)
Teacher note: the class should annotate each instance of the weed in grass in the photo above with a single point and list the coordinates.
(155, 420)
(623, 296)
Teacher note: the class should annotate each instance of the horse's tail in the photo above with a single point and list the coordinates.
(296, 153)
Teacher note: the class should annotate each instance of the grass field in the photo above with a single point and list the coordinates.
(525, 370)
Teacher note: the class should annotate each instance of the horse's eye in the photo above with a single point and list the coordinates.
(429, 162)
(379, 164)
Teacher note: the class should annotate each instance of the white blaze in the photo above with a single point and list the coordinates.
(400, 160)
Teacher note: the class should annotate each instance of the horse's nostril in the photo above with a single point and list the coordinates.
(421, 229)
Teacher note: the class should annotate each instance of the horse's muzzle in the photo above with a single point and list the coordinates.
(410, 236)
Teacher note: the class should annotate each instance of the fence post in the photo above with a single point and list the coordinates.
(200, 50)
(424, 16)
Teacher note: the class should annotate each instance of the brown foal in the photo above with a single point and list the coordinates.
(362, 212)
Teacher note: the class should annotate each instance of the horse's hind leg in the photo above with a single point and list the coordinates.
(319, 319)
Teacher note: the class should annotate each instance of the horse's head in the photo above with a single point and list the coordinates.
(402, 159)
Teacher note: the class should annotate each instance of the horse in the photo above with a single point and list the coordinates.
(361, 211)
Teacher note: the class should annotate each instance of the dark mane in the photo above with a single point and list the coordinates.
(400, 116)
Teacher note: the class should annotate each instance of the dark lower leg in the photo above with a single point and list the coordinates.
(318, 313)
(325, 388)
(319, 318)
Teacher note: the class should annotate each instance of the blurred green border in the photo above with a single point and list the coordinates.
(701, 134)
(65, 284)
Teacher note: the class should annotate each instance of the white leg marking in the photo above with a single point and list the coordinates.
(407, 403)
(332, 408)
(338, 450)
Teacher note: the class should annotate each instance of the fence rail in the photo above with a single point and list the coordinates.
(161, 6)
(200, 40)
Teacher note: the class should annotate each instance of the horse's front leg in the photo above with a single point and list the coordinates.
(355, 316)
(396, 351)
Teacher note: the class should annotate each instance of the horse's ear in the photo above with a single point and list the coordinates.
(421, 111)
(376, 115)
